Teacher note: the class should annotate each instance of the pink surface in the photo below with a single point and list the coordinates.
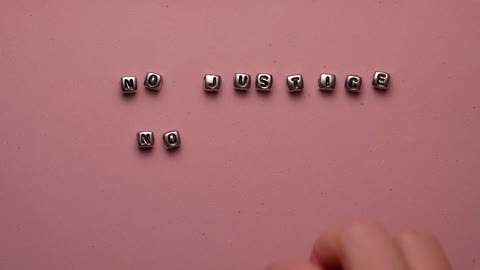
(258, 176)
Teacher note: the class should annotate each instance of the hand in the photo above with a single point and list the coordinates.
(368, 246)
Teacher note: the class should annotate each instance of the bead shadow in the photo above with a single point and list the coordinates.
(382, 93)
(174, 151)
(212, 95)
(351, 94)
(328, 93)
(128, 97)
(145, 151)
(297, 95)
(242, 93)
(264, 94)
(153, 93)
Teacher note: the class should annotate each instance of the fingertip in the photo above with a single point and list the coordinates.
(410, 235)
(360, 228)
(349, 245)
(279, 263)
(422, 250)
(326, 250)
(293, 263)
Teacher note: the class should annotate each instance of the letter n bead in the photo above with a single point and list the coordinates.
(145, 139)
(129, 85)
(381, 80)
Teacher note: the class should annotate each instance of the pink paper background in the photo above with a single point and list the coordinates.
(258, 176)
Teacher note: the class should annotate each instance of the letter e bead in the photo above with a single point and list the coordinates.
(381, 80)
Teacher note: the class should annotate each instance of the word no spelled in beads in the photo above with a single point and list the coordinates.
(153, 81)
(146, 139)
(263, 82)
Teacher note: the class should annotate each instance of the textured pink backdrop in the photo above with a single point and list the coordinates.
(258, 176)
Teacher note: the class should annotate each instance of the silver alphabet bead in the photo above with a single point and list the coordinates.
(212, 82)
(153, 81)
(353, 83)
(295, 83)
(242, 81)
(381, 80)
(171, 139)
(327, 82)
(129, 85)
(264, 82)
(145, 139)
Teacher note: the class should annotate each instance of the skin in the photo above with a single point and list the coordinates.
(366, 245)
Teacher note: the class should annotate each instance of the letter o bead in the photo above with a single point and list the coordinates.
(171, 139)
(153, 81)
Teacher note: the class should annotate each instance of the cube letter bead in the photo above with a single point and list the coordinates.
(295, 83)
(327, 82)
(381, 80)
(171, 139)
(353, 83)
(242, 81)
(129, 85)
(145, 139)
(212, 82)
(153, 81)
(264, 82)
